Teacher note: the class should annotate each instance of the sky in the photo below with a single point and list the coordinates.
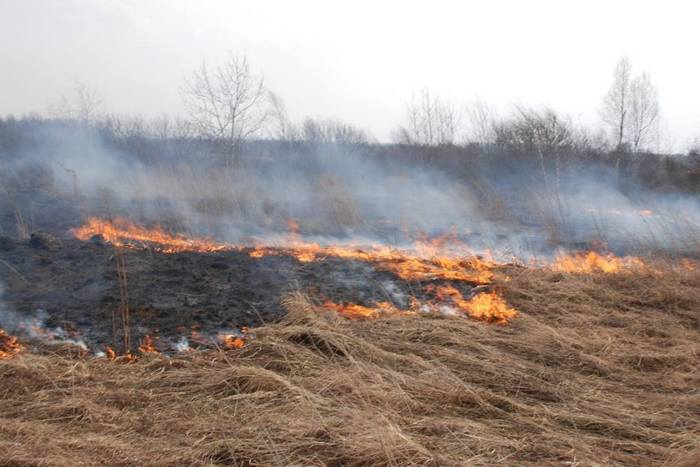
(359, 61)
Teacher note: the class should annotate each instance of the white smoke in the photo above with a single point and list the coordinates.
(338, 195)
(33, 327)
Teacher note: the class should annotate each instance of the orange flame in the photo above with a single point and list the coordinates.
(234, 341)
(231, 341)
(352, 310)
(486, 306)
(491, 307)
(405, 265)
(9, 345)
(443, 258)
(427, 264)
(115, 357)
(591, 262)
(147, 345)
(122, 233)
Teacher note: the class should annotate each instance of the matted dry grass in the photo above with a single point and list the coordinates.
(596, 370)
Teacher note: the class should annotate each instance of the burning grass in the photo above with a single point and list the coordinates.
(429, 260)
(9, 346)
(596, 369)
(591, 262)
(123, 233)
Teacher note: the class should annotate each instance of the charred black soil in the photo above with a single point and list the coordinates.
(73, 286)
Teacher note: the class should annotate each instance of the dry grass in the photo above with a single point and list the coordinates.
(596, 370)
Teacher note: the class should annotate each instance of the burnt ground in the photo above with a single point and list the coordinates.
(73, 286)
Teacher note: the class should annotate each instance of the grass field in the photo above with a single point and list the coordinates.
(599, 369)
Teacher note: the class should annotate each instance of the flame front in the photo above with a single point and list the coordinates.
(486, 306)
(431, 262)
(444, 258)
(355, 311)
(591, 262)
(122, 233)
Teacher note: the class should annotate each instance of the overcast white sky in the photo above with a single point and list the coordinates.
(355, 60)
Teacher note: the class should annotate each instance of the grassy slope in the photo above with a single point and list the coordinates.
(596, 369)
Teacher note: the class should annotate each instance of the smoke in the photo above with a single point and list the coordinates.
(54, 177)
(642, 219)
(9, 320)
(33, 326)
(343, 194)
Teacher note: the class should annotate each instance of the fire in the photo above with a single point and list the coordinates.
(489, 306)
(235, 341)
(426, 263)
(591, 262)
(122, 233)
(147, 345)
(352, 310)
(444, 258)
(9, 345)
(231, 341)
(486, 306)
(405, 265)
(113, 356)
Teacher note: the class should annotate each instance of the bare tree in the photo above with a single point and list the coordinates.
(228, 102)
(644, 112)
(481, 122)
(333, 131)
(617, 101)
(81, 103)
(124, 127)
(431, 121)
(543, 131)
(280, 126)
(166, 128)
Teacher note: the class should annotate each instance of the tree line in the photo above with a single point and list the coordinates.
(230, 103)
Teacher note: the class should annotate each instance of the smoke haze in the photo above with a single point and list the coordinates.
(339, 194)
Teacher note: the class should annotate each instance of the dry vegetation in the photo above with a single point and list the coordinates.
(600, 369)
